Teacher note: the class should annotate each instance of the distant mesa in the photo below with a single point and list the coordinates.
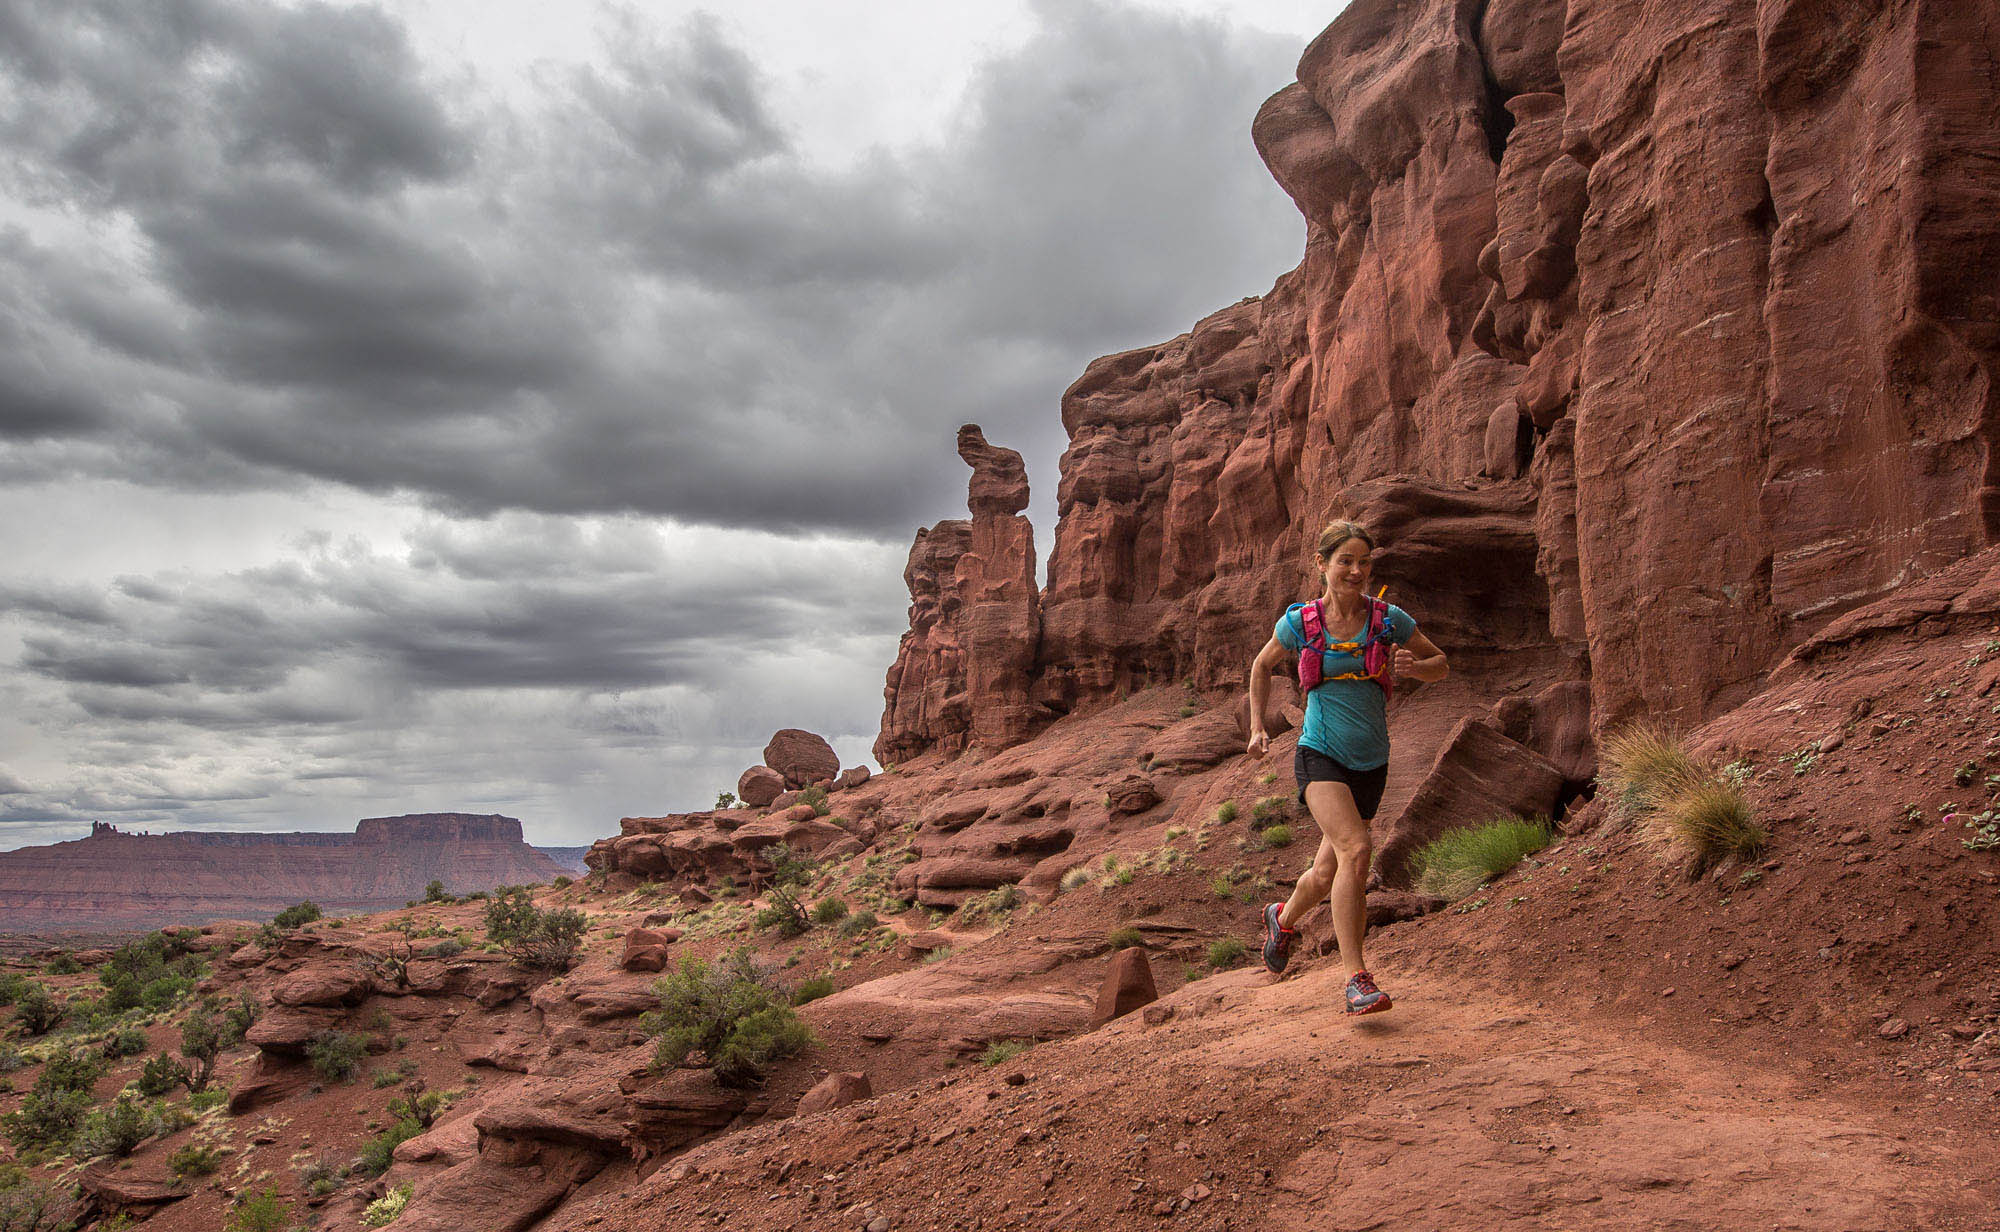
(114, 880)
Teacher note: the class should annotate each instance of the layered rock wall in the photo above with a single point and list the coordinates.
(115, 880)
(1702, 296)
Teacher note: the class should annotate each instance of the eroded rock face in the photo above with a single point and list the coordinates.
(1604, 320)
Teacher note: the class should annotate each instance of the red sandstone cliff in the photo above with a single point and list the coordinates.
(114, 880)
(1653, 338)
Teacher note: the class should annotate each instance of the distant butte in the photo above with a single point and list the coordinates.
(114, 881)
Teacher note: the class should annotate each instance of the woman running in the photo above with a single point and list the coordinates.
(1343, 756)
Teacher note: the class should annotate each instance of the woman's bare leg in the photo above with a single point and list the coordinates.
(1340, 865)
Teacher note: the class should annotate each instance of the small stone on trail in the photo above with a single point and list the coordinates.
(1852, 837)
(1667, 992)
(878, 1224)
(1895, 1028)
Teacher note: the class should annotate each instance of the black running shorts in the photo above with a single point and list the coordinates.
(1313, 766)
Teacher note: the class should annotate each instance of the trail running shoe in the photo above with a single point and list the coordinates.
(1363, 997)
(1277, 939)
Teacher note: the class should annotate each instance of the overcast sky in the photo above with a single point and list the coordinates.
(467, 405)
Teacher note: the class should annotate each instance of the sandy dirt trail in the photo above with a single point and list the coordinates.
(1241, 1102)
(1459, 1110)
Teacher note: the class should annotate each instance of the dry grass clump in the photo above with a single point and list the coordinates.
(1677, 801)
(1641, 766)
(1710, 819)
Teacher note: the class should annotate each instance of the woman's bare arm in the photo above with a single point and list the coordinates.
(1421, 659)
(1266, 662)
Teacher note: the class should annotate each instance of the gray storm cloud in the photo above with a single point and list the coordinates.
(674, 389)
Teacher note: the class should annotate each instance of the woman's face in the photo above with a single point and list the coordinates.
(1346, 571)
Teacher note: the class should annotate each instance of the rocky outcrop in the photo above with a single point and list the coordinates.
(965, 670)
(1619, 326)
(120, 880)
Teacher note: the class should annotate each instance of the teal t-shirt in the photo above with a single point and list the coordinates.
(1348, 720)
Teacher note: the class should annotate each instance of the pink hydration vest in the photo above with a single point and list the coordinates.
(1376, 648)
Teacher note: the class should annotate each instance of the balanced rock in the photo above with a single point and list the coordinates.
(759, 785)
(853, 776)
(801, 757)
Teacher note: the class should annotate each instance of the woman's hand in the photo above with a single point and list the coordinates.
(1260, 744)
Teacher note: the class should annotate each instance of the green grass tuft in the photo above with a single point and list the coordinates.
(1459, 861)
(1225, 952)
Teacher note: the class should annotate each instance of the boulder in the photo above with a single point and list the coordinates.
(759, 785)
(836, 1090)
(324, 984)
(646, 948)
(1479, 774)
(1134, 793)
(801, 757)
(853, 776)
(683, 1106)
(1396, 906)
(1127, 986)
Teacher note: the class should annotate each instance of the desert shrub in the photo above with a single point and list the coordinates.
(548, 940)
(434, 892)
(10, 1058)
(420, 1108)
(116, 1130)
(204, 1036)
(320, 1174)
(1225, 952)
(999, 1052)
(1226, 812)
(163, 993)
(788, 868)
(1457, 861)
(785, 913)
(996, 902)
(813, 989)
(234, 1021)
(1278, 836)
(1641, 765)
(70, 1069)
(12, 985)
(938, 955)
(450, 947)
(46, 1119)
(202, 1101)
(860, 922)
(194, 1159)
(160, 1075)
(1125, 938)
(1077, 878)
(829, 911)
(265, 1212)
(1710, 819)
(724, 800)
(297, 915)
(336, 1055)
(727, 1011)
(64, 963)
(31, 1205)
(815, 795)
(124, 1042)
(385, 1210)
(379, 1152)
(38, 1010)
